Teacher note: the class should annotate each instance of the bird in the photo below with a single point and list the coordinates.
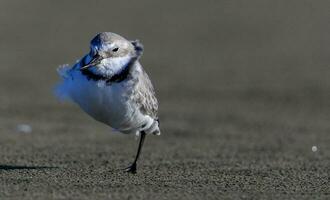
(111, 86)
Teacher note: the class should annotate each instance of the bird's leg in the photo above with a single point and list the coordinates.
(132, 167)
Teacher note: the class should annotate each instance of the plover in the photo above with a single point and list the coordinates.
(111, 86)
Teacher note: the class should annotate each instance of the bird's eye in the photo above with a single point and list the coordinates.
(115, 49)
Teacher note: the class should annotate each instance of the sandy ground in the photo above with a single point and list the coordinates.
(243, 89)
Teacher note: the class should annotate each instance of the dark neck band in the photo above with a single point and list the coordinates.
(119, 77)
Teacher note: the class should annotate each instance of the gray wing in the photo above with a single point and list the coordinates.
(145, 96)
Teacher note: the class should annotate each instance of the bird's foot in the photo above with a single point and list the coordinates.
(131, 168)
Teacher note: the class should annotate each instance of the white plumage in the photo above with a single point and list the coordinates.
(113, 104)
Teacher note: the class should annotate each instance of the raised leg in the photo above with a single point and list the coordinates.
(132, 167)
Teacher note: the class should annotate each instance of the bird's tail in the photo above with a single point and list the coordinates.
(152, 127)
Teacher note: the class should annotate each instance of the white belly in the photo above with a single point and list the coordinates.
(109, 104)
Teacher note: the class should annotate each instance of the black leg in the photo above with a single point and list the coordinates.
(132, 167)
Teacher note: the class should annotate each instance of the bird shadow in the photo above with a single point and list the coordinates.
(24, 167)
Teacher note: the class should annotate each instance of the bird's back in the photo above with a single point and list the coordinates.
(145, 99)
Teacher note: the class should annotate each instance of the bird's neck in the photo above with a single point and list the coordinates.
(111, 70)
(111, 66)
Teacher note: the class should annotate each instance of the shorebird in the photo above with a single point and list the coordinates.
(111, 86)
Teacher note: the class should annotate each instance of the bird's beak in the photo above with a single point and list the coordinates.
(94, 61)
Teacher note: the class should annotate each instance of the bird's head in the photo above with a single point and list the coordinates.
(110, 51)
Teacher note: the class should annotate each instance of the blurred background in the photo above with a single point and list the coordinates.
(243, 89)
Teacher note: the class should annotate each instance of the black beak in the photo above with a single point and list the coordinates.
(94, 61)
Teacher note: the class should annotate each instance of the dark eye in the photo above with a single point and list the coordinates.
(115, 49)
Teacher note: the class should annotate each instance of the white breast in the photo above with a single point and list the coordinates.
(110, 104)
